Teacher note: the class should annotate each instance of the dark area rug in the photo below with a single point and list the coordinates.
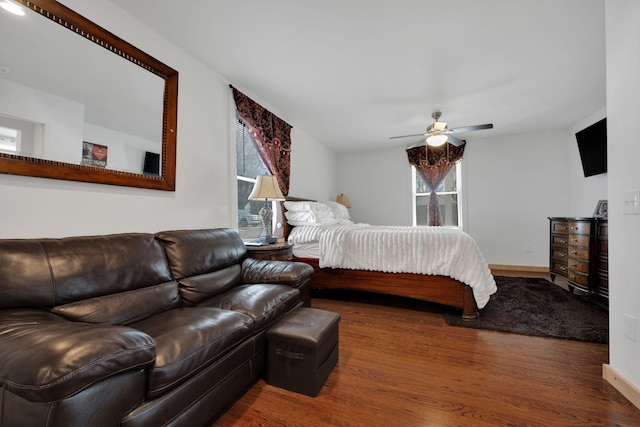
(537, 307)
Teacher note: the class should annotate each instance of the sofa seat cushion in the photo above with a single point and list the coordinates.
(46, 358)
(188, 339)
(263, 302)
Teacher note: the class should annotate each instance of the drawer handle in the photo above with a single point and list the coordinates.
(563, 241)
(563, 255)
(563, 268)
(574, 240)
(573, 265)
(574, 253)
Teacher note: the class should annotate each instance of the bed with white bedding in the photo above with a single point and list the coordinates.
(436, 264)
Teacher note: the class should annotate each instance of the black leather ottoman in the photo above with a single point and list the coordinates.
(302, 350)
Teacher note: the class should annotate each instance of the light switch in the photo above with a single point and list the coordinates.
(631, 200)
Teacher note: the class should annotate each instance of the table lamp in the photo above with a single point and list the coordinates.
(266, 188)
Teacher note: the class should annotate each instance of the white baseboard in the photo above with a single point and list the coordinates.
(620, 383)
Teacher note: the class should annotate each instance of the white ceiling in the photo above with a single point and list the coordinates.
(352, 73)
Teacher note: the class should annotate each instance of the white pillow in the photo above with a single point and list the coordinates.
(339, 210)
(327, 220)
(298, 206)
(310, 213)
(300, 216)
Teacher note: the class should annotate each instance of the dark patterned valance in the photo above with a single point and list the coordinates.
(431, 156)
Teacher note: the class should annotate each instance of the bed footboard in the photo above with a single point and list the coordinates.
(438, 289)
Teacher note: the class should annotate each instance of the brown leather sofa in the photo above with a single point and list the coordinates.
(135, 329)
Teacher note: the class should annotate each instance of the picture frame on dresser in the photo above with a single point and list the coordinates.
(601, 209)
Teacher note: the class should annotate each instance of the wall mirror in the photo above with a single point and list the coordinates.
(79, 103)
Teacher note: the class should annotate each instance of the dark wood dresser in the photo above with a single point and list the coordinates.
(579, 251)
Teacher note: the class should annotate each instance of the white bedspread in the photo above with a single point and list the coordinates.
(422, 250)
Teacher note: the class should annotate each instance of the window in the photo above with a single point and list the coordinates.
(449, 198)
(248, 166)
(10, 140)
(21, 137)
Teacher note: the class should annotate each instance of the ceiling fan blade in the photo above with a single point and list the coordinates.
(455, 141)
(407, 136)
(471, 128)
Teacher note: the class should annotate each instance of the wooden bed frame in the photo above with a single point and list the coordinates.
(438, 289)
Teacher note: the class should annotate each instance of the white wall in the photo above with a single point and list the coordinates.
(623, 110)
(126, 151)
(511, 184)
(378, 184)
(205, 169)
(63, 120)
(313, 168)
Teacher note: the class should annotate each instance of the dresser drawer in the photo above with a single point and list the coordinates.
(603, 247)
(560, 227)
(602, 282)
(580, 227)
(559, 253)
(559, 239)
(579, 240)
(579, 266)
(578, 278)
(603, 230)
(559, 267)
(579, 253)
(603, 265)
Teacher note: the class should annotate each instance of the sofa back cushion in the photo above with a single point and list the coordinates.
(204, 262)
(42, 273)
(25, 278)
(87, 267)
(124, 307)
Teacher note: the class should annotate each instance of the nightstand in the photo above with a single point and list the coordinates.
(275, 252)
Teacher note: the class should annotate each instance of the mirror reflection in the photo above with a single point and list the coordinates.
(79, 103)
(66, 100)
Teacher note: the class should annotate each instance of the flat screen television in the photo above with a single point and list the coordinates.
(151, 164)
(592, 145)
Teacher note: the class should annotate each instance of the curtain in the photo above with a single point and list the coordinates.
(432, 164)
(272, 136)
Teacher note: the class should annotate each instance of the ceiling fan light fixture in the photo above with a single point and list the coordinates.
(436, 140)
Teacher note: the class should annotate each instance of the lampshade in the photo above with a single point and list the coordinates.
(266, 188)
(436, 140)
(343, 200)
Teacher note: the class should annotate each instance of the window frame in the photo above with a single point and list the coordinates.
(252, 180)
(459, 192)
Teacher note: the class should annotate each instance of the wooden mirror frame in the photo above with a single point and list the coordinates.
(26, 166)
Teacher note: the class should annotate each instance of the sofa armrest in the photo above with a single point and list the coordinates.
(44, 357)
(289, 273)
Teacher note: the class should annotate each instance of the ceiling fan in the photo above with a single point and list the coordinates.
(438, 133)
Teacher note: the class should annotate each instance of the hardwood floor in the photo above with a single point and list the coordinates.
(401, 365)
